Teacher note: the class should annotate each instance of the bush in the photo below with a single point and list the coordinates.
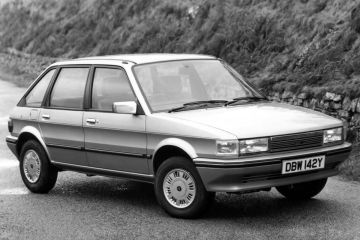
(355, 19)
(350, 169)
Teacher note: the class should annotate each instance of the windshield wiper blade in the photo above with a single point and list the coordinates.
(238, 99)
(197, 104)
(177, 109)
(205, 102)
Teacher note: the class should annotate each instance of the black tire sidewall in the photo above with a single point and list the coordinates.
(202, 198)
(48, 173)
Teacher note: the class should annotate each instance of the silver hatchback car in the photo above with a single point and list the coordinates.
(189, 124)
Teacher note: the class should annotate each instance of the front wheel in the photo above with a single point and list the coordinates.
(302, 191)
(179, 189)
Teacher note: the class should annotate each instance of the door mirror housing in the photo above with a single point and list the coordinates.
(125, 107)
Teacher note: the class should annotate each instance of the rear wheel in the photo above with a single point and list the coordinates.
(179, 189)
(302, 191)
(38, 175)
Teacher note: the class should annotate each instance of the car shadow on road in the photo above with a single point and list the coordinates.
(107, 189)
(271, 205)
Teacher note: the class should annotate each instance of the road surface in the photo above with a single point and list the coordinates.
(81, 207)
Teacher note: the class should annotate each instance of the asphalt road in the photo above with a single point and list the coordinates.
(81, 207)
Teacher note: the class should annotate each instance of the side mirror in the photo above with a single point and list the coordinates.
(125, 107)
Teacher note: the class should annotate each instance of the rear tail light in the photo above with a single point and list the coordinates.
(10, 126)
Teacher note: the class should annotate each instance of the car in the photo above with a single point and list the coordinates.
(187, 123)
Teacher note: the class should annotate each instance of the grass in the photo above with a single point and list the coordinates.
(22, 69)
(280, 45)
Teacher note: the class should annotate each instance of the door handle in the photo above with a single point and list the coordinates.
(91, 121)
(45, 116)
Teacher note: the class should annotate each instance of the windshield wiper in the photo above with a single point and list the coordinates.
(197, 104)
(247, 99)
(205, 102)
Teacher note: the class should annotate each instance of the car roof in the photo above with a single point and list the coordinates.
(138, 58)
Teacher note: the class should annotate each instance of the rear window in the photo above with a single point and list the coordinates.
(36, 95)
(69, 88)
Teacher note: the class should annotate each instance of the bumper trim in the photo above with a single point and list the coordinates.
(11, 139)
(268, 183)
(11, 142)
(270, 158)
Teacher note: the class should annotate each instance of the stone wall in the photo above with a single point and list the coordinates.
(341, 107)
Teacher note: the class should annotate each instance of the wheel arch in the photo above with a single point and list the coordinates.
(30, 133)
(171, 147)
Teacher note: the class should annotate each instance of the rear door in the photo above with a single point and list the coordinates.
(61, 118)
(113, 141)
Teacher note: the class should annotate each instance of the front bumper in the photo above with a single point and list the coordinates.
(261, 172)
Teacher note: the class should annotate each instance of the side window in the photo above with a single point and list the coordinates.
(69, 88)
(110, 85)
(36, 95)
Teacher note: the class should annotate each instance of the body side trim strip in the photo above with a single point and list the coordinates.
(65, 147)
(117, 153)
(100, 151)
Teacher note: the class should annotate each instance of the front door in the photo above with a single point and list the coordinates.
(114, 141)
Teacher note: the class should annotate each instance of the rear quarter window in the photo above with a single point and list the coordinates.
(35, 97)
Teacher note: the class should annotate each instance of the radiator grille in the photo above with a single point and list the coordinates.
(296, 141)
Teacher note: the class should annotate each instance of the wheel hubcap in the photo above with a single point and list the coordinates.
(32, 166)
(179, 188)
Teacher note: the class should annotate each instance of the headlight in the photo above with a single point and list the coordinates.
(254, 145)
(333, 135)
(227, 147)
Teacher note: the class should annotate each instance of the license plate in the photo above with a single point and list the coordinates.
(302, 165)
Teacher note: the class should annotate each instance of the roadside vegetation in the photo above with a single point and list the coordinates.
(20, 68)
(350, 169)
(296, 46)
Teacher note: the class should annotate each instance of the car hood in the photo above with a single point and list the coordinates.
(259, 119)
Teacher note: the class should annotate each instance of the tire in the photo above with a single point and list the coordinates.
(302, 191)
(38, 175)
(199, 200)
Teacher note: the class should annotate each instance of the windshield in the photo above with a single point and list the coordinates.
(169, 85)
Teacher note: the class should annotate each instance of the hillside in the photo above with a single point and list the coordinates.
(295, 45)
